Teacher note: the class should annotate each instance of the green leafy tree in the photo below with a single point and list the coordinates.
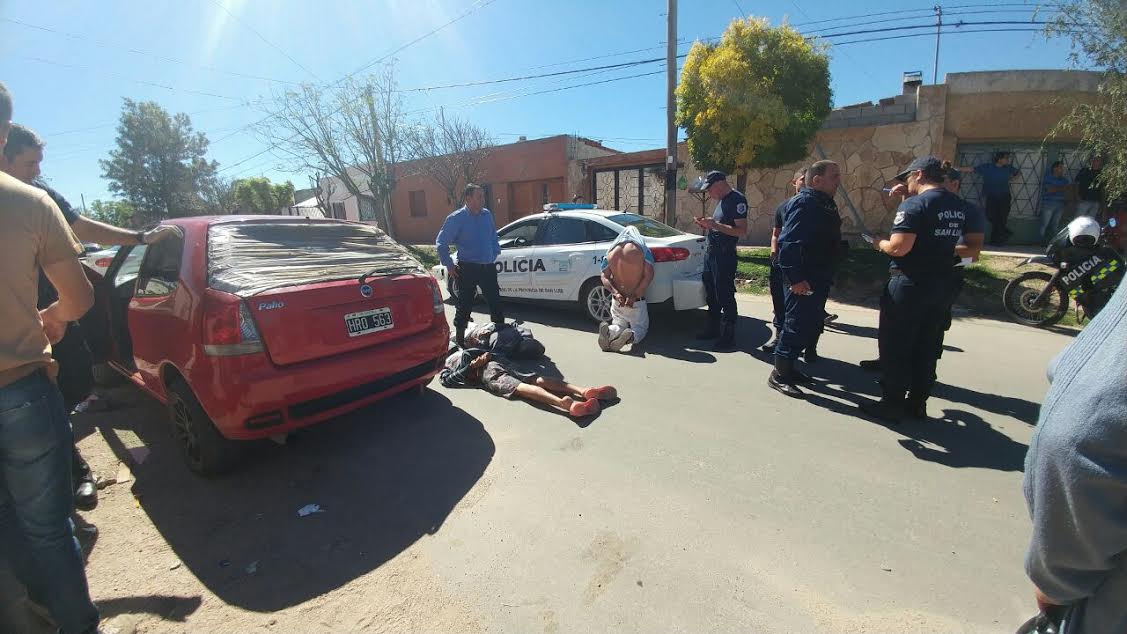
(1098, 30)
(755, 99)
(260, 196)
(118, 213)
(160, 164)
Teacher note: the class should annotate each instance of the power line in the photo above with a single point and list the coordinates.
(739, 8)
(149, 54)
(951, 32)
(527, 77)
(263, 38)
(125, 78)
(887, 20)
(479, 4)
(932, 25)
(925, 11)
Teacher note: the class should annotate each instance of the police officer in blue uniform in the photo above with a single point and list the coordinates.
(914, 306)
(775, 281)
(809, 246)
(725, 228)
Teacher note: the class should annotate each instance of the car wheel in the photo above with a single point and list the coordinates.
(595, 300)
(106, 376)
(206, 451)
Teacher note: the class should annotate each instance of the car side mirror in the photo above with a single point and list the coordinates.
(505, 244)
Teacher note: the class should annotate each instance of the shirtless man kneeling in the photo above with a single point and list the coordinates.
(628, 269)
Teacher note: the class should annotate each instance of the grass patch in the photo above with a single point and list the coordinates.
(426, 254)
(861, 278)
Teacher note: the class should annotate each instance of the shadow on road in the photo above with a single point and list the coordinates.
(962, 439)
(385, 476)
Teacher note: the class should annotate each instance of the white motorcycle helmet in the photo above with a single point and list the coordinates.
(1084, 232)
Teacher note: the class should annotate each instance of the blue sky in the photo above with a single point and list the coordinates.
(68, 82)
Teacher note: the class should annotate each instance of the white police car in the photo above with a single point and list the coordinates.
(554, 257)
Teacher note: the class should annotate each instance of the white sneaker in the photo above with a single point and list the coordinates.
(604, 336)
(624, 338)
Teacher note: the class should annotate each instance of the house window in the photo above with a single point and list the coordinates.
(338, 211)
(544, 194)
(367, 209)
(418, 203)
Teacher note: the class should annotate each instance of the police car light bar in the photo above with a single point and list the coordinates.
(569, 206)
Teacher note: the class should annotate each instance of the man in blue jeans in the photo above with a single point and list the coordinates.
(37, 539)
(1052, 202)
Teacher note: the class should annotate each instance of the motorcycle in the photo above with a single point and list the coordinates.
(1086, 271)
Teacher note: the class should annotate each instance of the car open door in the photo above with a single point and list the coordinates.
(515, 263)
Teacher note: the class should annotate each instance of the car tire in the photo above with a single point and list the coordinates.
(594, 300)
(206, 451)
(106, 376)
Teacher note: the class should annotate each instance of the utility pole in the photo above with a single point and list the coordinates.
(938, 27)
(83, 197)
(671, 115)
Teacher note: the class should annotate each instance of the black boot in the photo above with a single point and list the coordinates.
(770, 345)
(888, 409)
(711, 331)
(460, 337)
(782, 378)
(916, 406)
(727, 340)
(811, 355)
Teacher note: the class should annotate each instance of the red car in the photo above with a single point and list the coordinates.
(253, 326)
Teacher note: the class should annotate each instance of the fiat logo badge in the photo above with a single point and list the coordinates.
(366, 290)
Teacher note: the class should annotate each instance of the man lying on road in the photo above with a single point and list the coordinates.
(479, 368)
(628, 269)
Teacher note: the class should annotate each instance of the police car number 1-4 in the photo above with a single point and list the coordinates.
(368, 321)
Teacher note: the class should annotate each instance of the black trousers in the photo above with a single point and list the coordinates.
(76, 382)
(719, 279)
(913, 315)
(998, 213)
(777, 284)
(471, 277)
(805, 319)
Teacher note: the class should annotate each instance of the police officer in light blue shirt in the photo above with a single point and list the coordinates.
(472, 231)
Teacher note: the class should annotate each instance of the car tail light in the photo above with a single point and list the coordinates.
(436, 297)
(669, 254)
(103, 263)
(228, 329)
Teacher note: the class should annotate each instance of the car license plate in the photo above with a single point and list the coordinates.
(368, 321)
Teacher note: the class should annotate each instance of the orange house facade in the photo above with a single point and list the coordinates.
(518, 179)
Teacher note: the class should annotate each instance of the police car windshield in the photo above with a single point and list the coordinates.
(648, 227)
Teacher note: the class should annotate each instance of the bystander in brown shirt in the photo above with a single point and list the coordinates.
(33, 234)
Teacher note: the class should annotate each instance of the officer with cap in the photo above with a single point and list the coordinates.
(808, 254)
(925, 232)
(725, 228)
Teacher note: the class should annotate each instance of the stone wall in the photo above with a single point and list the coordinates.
(869, 156)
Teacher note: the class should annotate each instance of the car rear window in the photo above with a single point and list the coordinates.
(648, 227)
(245, 258)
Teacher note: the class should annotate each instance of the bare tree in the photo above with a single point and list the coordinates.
(351, 131)
(451, 152)
(324, 186)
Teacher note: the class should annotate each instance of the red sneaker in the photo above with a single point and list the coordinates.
(604, 393)
(590, 407)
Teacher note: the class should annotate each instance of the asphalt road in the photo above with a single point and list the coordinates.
(706, 501)
(702, 501)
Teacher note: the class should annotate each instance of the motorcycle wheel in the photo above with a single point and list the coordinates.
(1021, 292)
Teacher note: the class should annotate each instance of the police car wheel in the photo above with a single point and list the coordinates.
(595, 301)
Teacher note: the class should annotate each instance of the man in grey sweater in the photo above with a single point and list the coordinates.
(1076, 480)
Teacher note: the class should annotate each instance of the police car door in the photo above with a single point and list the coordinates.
(569, 249)
(515, 262)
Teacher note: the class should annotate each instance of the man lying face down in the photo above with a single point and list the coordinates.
(479, 368)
